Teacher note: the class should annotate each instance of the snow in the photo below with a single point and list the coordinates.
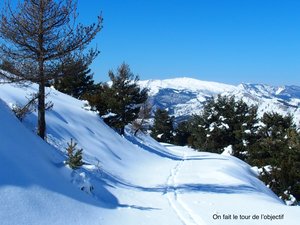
(228, 150)
(184, 83)
(223, 125)
(193, 93)
(280, 89)
(126, 180)
(33, 185)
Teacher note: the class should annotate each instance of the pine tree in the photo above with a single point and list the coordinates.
(162, 129)
(223, 122)
(182, 134)
(119, 103)
(36, 37)
(74, 155)
(76, 78)
(278, 146)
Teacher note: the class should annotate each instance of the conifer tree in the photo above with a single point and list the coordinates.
(278, 147)
(76, 78)
(224, 121)
(162, 129)
(182, 134)
(119, 103)
(74, 155)
(36, 37)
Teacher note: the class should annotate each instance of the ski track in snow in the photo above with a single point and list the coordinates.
(35, 183)
(183, 213)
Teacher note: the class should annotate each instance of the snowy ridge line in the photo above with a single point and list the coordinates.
(183, 83)
(181, 211)
(186, 96)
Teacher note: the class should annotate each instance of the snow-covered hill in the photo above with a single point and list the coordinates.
(185, 96)
(135, 180)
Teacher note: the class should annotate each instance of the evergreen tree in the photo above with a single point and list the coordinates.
(74, 155)
(119, 103)
(278, 147)
(36, 36)
(97, 97)
(271, 138)
(162, 129)
(75, 79)
(182, 134)
(223, 122)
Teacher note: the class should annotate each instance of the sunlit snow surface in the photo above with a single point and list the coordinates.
(135, 179)
(185, 96)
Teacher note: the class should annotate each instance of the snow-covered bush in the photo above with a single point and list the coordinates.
(224, 121)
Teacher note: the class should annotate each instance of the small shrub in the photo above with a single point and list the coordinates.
(21, 112)
(74, 155)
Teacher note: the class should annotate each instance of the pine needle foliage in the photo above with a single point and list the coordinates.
(74, 155)
(162, 129)
(224, 121)
(119, 102)
(278, 145)
(76, 78)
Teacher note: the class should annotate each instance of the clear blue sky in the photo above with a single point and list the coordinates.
(230, 41)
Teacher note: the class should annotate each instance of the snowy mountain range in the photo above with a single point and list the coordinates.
(128, 180)
(186, 96)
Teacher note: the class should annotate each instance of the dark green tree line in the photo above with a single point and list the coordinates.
(277, 151)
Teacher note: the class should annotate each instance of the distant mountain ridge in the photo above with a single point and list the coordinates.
(185, 96)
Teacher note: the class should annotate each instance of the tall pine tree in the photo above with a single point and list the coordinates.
(120, 101)
(162, 129)
(36, 36)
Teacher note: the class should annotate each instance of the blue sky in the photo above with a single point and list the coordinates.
(230, 41)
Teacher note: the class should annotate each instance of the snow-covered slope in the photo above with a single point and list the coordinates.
(185, 96)
(34, 184)
(136, 180)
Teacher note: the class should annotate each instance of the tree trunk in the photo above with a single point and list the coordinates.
(41, 94)
(122, 131)
(41, 110)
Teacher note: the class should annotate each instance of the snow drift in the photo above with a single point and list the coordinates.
(135, 179)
